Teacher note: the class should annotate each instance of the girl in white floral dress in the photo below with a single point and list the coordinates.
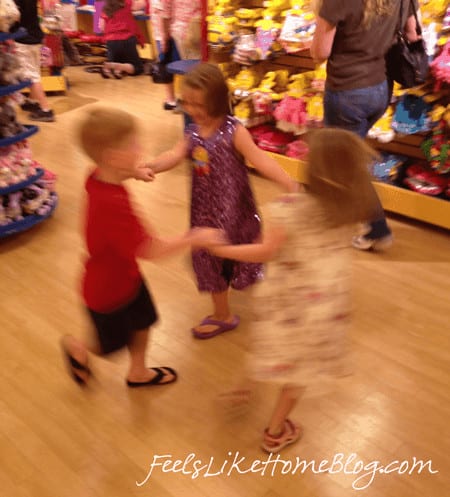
(302, 307)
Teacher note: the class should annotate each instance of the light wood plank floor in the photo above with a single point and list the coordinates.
(60, 441)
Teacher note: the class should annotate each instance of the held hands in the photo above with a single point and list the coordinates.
(144, 172)
(274, 238)
(207, 237)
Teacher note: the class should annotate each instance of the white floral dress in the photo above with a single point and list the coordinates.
(302, 307)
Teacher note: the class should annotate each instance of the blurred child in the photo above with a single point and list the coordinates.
(118, 302)
(122, 37)
(302, 307)
(219, 146)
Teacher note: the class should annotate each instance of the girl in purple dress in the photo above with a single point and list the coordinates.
(219, 147)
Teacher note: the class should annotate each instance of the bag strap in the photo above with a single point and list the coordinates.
(400, 18)
(418, 26)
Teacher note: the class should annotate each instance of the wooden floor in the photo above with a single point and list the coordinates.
(60, 441)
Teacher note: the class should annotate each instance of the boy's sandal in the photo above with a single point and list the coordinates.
(290, 434)
(160, 378)
(73, 366)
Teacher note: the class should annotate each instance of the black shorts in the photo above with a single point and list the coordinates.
(125, 52)
(114, 329)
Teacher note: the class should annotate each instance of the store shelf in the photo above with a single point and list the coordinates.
(23, 184)
(54, 83)
(393, 198)
(30, 130)
(9, 89)
(415, 205)
(27, 222)
(20, 33)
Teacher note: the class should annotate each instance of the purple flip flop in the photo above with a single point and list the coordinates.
(222, 326)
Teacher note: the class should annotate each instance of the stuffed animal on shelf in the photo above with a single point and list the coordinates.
(8, 124)
(291, 115)
(421, 179)
(10, 72)
(9, 14)
(11, 204)
(440, 67)
(33, 197)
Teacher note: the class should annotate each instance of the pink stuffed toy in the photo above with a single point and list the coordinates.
(440, 67)
(297, 149)
(291, 115)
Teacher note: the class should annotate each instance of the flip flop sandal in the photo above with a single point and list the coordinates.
(161, 373)
(73, 365)
(93, 69)
(291, 434)
(106, 73)
(117, 74)
(222, 326)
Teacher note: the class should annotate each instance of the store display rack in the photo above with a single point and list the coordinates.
(30, 220)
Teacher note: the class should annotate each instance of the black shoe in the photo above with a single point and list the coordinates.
(30, 106)
(45, 116)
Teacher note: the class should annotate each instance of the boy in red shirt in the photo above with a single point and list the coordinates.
(114, 290)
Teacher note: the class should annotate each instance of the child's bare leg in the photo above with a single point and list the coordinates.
(221, 312)
(287, 400)
(138, 372)
(281, 430)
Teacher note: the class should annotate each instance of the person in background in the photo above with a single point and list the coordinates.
(122, 36)
(28, 52)
(174, 27)
(353, 36)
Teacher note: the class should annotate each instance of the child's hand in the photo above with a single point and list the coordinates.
(207, 237)
(144, 173)
(274, 238)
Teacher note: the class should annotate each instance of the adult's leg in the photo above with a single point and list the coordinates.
(30, 65)
(357, 111)
(170, 55)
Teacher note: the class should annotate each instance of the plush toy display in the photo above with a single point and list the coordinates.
(9, 66)
(9, 14)
(421, 179)
(8, 123)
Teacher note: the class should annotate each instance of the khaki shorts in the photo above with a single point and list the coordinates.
(29, 58)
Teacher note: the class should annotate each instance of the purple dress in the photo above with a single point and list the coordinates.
(222, 198)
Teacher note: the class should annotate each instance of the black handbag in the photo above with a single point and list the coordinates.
(407, 62)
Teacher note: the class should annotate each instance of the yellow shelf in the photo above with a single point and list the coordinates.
(394, 199)
(54, 83)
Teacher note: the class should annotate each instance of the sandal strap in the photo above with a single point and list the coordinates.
(288, 426)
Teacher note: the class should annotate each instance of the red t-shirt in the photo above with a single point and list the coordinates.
(113, 236)
(121, 25)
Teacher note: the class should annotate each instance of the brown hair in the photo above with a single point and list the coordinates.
(209, 79)
(103, 128)
(375, 8)
(338, 175)
(112, 6)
